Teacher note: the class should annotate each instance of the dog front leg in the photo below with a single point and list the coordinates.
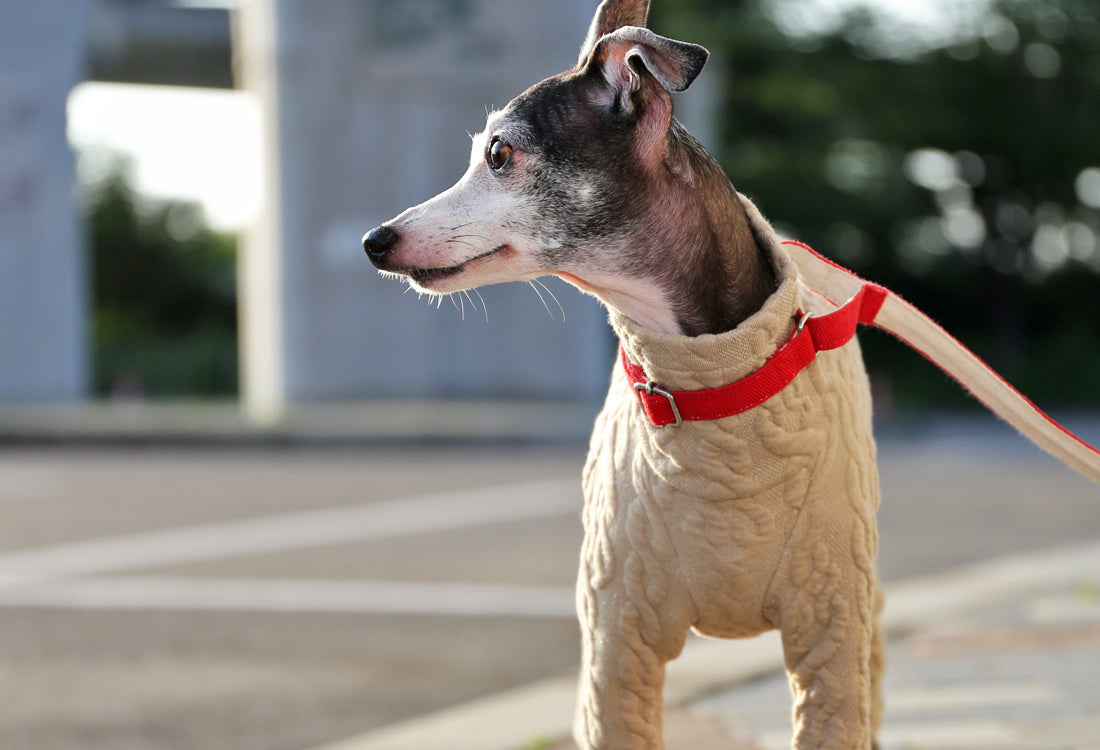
(626, 645)
(635, 614)
(878, 667)
(828, 668)
(832, 657)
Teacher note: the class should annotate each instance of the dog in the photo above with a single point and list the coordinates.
(731, 519)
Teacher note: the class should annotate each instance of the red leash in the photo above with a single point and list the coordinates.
(869, 304)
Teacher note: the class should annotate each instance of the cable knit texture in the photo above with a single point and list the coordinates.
(733, 527)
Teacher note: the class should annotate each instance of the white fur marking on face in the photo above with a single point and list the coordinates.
(586, 191)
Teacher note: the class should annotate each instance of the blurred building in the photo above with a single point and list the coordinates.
(43, 338)
(367, 106)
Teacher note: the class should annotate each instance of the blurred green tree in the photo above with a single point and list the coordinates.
(164, 318)
(962, 170)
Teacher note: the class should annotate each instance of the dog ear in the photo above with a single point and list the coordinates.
(611, 16)
(625, 55)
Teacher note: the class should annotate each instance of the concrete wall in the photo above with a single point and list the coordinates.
(43, 297)
(369, 103)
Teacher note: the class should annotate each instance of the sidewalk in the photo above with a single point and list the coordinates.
(1002, 655)
(1008, 673)
(352, 422)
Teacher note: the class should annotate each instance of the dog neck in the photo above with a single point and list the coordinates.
(699, 266)
(673, 360)
(722, 273)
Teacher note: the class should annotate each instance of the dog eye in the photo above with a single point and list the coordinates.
(499, 154)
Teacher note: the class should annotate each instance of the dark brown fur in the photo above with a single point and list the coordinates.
(723, 276)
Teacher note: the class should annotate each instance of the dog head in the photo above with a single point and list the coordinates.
(565, 179)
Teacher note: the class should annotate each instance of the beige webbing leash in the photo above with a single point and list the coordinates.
(899, 318)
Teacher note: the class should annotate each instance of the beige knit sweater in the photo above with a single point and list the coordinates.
(733, 527)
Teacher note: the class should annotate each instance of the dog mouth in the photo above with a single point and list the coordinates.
(425, 276)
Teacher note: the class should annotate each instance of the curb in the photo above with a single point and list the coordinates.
(541, 712)
(390, 422)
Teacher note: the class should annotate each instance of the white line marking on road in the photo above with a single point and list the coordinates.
(295, 595)
(382, 520)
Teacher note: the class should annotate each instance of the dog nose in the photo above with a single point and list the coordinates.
(378, 243)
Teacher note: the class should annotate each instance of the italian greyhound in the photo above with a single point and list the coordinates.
(729, 520)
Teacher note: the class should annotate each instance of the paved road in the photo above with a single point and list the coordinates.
(140, 641)
(276, 599)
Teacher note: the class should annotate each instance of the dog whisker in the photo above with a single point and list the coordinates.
(463, 239)
(553, 296)
(484, 307)
(543, 299)
(460, 237)
(461, 242)
(473, 304)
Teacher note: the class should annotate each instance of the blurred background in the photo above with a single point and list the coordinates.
(185, 184)
(199, 367)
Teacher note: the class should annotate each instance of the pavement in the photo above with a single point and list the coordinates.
(1002, 655)
(242, 587)
(226, 597)
(204, 423)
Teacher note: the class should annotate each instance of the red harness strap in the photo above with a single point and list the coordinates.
(814, 334)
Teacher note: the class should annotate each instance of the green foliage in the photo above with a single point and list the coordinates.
(946, 170)
(164, 296)
(539, 743)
